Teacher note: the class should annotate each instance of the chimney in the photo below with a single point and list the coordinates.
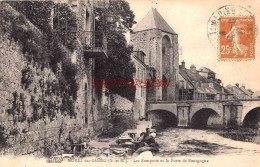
(183, 64)
(193, 68)
(243, 86)
(237, 85)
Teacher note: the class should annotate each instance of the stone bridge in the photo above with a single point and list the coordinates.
(202, 114)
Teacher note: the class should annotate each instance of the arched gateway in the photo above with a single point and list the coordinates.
(252, 118)
(205, 118)
(162, 118)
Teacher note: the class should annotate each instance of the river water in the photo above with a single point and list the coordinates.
(193, 142)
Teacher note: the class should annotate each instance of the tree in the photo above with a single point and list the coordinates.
(118, 65)
(36, 11)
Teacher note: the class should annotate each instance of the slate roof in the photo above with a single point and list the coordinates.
(235, 90)
(205, 69)
(247, 92)
(190, 76)
(153, 20)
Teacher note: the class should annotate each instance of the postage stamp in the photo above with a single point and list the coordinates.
(232, 31)
(237, 37)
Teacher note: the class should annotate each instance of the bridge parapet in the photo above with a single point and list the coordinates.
(228, 112)
(197, 101)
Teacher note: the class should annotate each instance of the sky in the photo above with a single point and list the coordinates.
(188, 18)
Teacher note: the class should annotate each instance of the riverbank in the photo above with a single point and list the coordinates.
(97, 146)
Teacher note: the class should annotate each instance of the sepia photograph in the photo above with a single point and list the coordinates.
(129, 83)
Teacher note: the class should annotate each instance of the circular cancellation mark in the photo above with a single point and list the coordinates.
(231, 30)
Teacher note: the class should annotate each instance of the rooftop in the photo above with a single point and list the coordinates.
(194, 77)
(206, 70)
(190, 76)
(153, 20)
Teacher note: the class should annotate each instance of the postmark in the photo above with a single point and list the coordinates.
(232, 31)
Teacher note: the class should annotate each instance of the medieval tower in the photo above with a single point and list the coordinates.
(153, 36)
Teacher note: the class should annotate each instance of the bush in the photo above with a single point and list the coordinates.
(27, 78)
(69, 71)
(35, 114)
(3, 137)
(44, 48)
(14, 132)
(23, 116)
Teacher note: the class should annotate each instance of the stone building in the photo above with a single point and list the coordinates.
(200, 85)
(153, 37)
(93, 48)
(140, 76)
(240, 92)
(19, 105)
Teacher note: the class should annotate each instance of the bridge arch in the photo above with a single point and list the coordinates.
(252, 118)
(248, 106)
(205, 118)
(162, 118)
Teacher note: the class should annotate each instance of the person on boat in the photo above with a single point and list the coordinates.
(147, 133)
(148, 144)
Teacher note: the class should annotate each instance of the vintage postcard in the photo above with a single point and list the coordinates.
(129, 83)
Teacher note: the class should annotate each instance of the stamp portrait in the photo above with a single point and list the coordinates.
(236, 37)
(232, 31)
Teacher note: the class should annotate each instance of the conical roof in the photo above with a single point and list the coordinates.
(153, 20)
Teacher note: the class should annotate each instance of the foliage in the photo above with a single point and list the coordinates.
(13, 110)
(118, 65)
(35, 114)
(31, 40)
(43, 45)
(14, 132)
(3, 137)
(69, 73)
(23, 116)
(67, 106)
(120, 123)
(18, 108)
(27, 78)
(51, 110)
(48, 149)
(64, 22)
(37, 12)
(69, 87)
(123, 16)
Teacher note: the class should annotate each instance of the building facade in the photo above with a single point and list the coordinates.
(140, 78)
(153, 36)
(240, 92)
(92, 48)
(197, 85)
(155, 39)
